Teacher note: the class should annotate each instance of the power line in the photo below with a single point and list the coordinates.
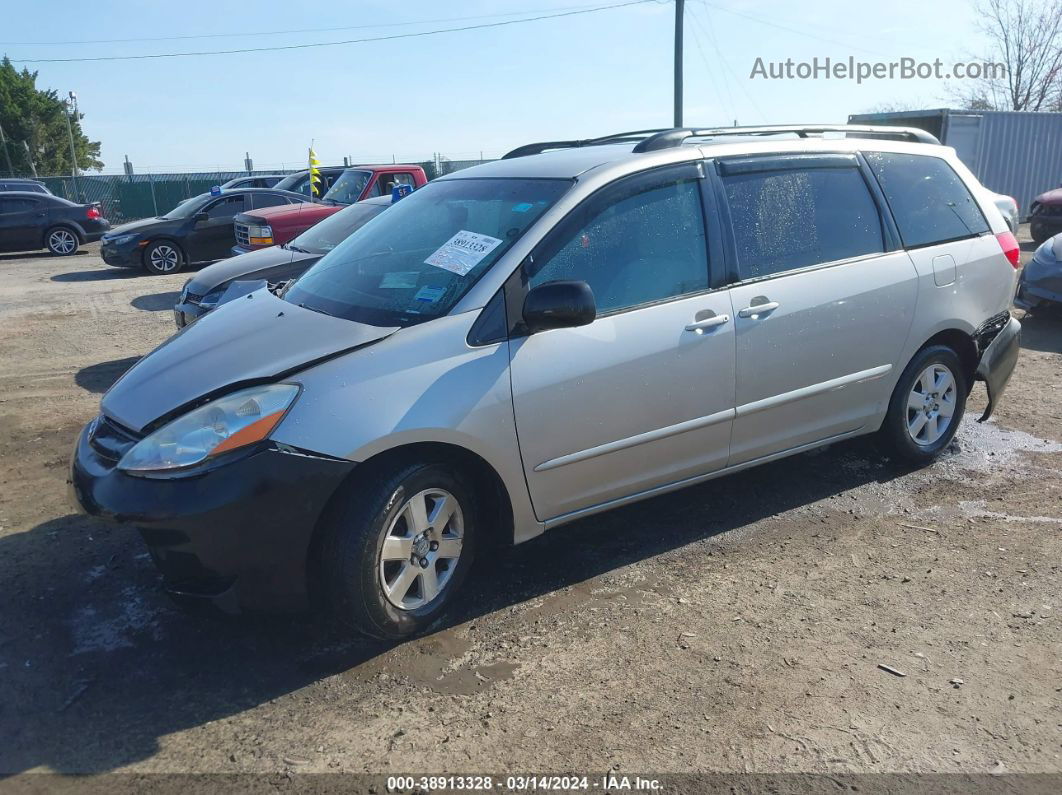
(771, 24)
(246, 34)
(391, 37)
(707, 29)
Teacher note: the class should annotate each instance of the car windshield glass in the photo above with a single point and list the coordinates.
(347, 189)
(415, 261)
(189, 207)
(333, 230)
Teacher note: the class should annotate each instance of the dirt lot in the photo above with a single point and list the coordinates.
(736, 626)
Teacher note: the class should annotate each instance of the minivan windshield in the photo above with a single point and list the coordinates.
(325, 235)
(415, 261)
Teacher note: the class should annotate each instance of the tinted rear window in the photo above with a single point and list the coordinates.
(790, 219)
(929, 201)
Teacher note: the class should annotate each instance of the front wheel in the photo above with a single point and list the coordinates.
(926, 406)
(162, 258)
(396, 549)
(61, 241)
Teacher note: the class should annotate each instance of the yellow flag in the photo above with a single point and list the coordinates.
(315, 173)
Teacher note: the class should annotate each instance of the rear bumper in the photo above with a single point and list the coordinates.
(997, 363)
(237, 535)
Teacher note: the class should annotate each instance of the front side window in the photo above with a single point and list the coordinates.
(927, 198)
(639, 242)
(793, 218)
(415, 261)
(260, 200)
(225, 208)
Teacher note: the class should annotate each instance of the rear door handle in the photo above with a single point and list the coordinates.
(758, 309)
(710, 322)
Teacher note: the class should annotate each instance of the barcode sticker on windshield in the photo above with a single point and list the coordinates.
(462, 252)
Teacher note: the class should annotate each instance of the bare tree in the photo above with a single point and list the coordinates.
(1026, 38)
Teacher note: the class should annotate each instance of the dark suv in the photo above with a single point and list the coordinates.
(23, 185)
(30, 221)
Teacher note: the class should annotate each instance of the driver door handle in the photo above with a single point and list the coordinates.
(707, 323)
(758, 309)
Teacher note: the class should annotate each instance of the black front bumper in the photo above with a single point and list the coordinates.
(187, 312)
(237, 534)
(1042, 227)
(127, 256)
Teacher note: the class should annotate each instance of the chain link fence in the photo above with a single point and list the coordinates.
(125, 198)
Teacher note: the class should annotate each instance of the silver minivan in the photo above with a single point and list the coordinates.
(576, 326)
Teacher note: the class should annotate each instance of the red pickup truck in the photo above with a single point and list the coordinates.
(274, 226)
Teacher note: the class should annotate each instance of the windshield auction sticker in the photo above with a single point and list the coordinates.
(462, 252)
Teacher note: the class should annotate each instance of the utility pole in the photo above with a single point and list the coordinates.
(7, 155)
(72, 108)
(29, 157)
(678, 62)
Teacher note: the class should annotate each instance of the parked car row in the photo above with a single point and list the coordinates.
(525, 343)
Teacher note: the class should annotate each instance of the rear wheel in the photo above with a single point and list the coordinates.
(926, 406)
(163, 257)
(396, 550)
(61, 242)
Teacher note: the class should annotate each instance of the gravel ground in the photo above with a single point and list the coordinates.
(735, 626)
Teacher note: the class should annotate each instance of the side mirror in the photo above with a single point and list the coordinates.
(559, 305)
(200, 217)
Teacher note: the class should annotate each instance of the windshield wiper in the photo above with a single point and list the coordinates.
(300, 249)
(314, 309)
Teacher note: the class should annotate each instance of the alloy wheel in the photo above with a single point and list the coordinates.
(931, 405)
(62, 241)
(421, 549)
(163, 258)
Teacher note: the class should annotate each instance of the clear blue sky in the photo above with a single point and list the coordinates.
(456, 93)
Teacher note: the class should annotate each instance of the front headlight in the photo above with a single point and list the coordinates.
(212, 298)
(260, 235)
(121, 240)
(225, 424)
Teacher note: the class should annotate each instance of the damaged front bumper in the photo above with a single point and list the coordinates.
(998, 342)
(236, 535)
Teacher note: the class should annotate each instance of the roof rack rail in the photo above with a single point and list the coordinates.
(615, 138)
(667, 138)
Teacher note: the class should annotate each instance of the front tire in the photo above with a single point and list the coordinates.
(163, 258)
(397, 548)
(61, 241)
(926, 406)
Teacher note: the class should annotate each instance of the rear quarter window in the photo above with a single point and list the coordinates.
(929, 201)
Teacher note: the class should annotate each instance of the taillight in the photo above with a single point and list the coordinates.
(1011, 249)
(92, 213)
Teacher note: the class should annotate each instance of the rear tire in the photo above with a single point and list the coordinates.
(397, 547)
(61, 241)
(163, 258)
(927, 405)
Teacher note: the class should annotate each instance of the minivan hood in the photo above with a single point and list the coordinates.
(252, 339)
